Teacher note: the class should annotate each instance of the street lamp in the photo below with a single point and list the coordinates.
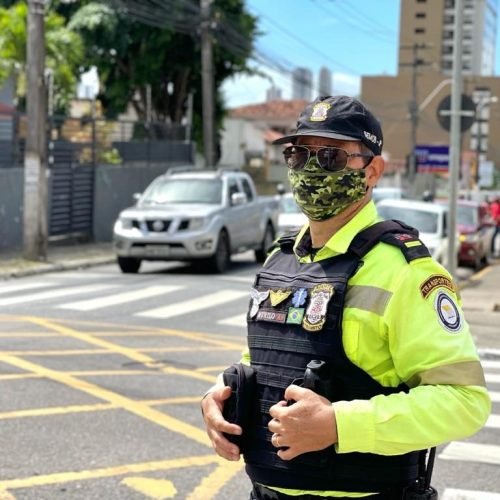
(480, 106)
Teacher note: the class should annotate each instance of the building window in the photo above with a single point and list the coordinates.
(421, 15)
(419, 31)
(421, 1)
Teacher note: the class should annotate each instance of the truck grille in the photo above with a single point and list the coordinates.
(153, 225)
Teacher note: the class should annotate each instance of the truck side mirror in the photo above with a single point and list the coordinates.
(136, 196)
(238, 199)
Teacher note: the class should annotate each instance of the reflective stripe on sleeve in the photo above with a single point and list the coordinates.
(368, 298)
(464, 373)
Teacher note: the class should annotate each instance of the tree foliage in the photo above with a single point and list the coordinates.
(163, 51)
(64, 53)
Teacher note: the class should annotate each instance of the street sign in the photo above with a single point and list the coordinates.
(468, 112)
(431, 158)
(486, 171)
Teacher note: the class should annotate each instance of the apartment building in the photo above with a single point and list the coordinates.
(407, 104)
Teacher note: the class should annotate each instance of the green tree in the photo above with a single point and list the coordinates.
(159, 47)
(64, 53)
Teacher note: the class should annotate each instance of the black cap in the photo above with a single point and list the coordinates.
(338, 117)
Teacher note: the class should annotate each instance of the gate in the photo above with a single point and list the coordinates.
(71, 188)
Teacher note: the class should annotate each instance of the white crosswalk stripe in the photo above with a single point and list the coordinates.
(456, 494)
(21, 287)
(52, 294)
(190, 306)
(489, 364)
(119, 298)
(492, 378)
(493, 422)
(471, 452)
(238, 320)
(495, 396)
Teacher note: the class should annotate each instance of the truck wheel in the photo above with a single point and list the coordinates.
(129, 264)
(219, 261)
(267, 241)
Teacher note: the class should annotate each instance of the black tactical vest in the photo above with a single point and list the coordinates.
(295, 316)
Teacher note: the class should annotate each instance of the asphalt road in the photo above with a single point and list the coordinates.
(100, 379)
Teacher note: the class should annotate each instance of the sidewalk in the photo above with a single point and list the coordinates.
(60, 257)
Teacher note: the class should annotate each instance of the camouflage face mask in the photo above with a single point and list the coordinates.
(321, 195)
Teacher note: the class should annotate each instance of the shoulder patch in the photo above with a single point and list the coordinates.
(411, 247)
(448, 313)
(436, 281)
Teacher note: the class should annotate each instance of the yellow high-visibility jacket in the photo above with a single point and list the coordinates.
(403, 323)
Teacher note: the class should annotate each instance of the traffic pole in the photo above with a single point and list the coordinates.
(207, 84)
(35, 224)
(455, 138)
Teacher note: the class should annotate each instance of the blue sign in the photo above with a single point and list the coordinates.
(432, 158)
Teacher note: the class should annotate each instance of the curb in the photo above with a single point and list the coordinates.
(57, 266)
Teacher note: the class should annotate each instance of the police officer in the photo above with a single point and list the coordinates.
(366, 300)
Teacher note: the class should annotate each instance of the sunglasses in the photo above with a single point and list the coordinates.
(330, 159)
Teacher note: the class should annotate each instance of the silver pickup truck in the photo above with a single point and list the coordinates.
(203, 216)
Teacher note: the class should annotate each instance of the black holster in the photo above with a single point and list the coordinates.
(242, 380)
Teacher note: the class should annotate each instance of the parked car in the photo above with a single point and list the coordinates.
(384, 193)
(203, 216)
(430, 219)
(475, 226)
(290, 217)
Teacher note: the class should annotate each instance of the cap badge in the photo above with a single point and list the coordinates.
(320, 112)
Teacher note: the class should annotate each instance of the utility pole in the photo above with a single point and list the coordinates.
(207, 76)
(413, 107)
(455, 137)
(35, 181)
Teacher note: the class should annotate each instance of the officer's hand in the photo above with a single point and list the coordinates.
(306, 425)
(211, 407)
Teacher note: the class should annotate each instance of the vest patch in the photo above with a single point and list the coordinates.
(433, 282)
(448, 313)
(271, 316)
(278, 296)
(316, 310)
(295, 315)
(299, 297)
(257, 298)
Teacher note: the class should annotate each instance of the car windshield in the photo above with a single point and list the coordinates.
(184, 191)
(425, 222)
(288, 206)
(467, 216)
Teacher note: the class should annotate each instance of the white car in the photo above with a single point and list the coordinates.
(290, 217)
(430, 219)
(384, 193)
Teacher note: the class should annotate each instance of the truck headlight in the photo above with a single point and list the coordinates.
(123, 223)
(197, 223)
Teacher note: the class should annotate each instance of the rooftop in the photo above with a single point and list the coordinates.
(272, 110)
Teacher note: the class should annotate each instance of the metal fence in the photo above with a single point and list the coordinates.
(100, 141)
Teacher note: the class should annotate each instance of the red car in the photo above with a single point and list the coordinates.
(475, 226)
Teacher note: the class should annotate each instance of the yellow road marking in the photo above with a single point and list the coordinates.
(5, 495)
(157, 489)
(480, 274)
(135, 407)
(78, 352)
(114, 348)
(213, 483)
(120, 470)
(62, 410)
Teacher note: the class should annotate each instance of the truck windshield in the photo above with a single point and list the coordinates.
(184, 191)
